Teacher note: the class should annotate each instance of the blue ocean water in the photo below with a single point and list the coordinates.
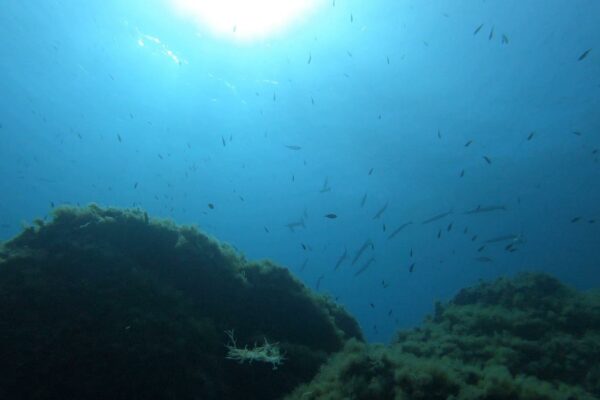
(128, 104)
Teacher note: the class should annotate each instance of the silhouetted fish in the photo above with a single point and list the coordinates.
(365, 266)
(437, 217)
(399, 229)
(479, 209)
(362, 249)
(584, 54)
(341, 259)
(381, 211)
(364, 199)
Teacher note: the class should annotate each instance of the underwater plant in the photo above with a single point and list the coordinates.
(267, 353)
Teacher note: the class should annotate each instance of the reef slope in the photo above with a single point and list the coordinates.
(525, 338)
(103, 303)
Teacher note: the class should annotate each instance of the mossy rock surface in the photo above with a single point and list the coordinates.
(528, 338)
(103, 303)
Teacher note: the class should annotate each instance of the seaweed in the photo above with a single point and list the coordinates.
(529, 337)
(104, 303)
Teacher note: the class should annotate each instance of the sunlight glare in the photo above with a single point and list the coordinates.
(245, 19)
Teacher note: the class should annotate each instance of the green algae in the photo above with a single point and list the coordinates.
(525, 338)
(107, 303)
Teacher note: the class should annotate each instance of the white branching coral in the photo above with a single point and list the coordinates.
(268, 352)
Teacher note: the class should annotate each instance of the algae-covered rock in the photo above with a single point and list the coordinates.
(525, 338)
(103, 303)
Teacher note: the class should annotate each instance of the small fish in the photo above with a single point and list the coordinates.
(293, 147)
(319, 281)
(468, 143)
(234, 29)
(303, 246)
(504, 39)
(274, 97)
(135, 185)
(364, 199)
(362, 249)
(309, 58)
(341, 259)
(372, 305)
(576, 133)
(487, 159)
(481, 248)
(388, 60)
(437, 217)
(351, 18)
(576, 219)
(491, 35)
(119, 137)
(483, 259)
(462, 173)
(211, 206)
(390, 313)
(51, 204)
(304, 264)
(325, 188)
(312, 101)
(476, 31)
(531, 135)
(449, 227)
(509, 246)
(384, 284)
(383, 227)
(365, 266)
(503, 238)
(584, 54)
(466, 230)
(411, 253)
(349, 55)
(439, 235)
(474, 238)
(381, 211)
(411, 268)
(331, 216)
(479, 209)
(223, 141)
(160, 156)
(266, 229)
(296, 224)
(370, 171)
(397, 230)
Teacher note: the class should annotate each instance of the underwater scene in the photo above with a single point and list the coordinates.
(300, 199)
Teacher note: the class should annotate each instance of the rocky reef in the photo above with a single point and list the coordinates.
(102, 303)
(525, 338)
